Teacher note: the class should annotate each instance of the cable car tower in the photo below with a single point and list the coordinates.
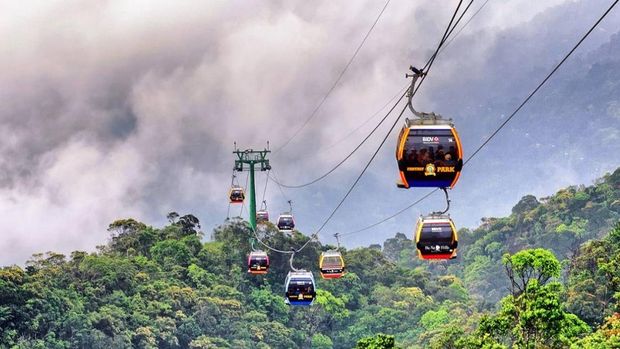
(250, 158)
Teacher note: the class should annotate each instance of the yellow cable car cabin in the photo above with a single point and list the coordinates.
(236, 195)
(331, 265)
(429, 154)
(258, 263)
(436, 237)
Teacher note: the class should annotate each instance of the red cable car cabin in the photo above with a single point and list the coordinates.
(258, 263)
(236, 195)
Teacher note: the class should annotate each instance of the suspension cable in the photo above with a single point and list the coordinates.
(291, 261)
(349, 155)
(333, 86)
(265, 190)
(247, 177)
(316, 234)
(445, 191)
(265, 244)
(274, 178)
(444, 37)
(353, 131)
(463, 27)
(392, 216)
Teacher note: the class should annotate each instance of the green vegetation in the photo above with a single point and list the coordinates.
(547, 276)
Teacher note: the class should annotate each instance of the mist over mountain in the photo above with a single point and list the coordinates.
(116, 110)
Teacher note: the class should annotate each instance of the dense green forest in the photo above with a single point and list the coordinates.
(547, 276)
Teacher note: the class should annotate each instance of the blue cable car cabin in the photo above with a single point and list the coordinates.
(299, 288)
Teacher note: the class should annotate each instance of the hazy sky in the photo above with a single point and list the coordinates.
(115, 109)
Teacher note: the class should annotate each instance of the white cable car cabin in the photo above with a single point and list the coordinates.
(299, 288)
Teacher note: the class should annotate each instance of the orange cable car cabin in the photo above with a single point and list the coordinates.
(429, 154)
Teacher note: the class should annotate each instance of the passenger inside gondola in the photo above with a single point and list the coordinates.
(258, 262)
(300, 291)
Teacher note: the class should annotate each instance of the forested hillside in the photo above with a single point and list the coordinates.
(547, 276)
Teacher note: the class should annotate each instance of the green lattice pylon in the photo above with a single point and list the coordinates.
(251, 157)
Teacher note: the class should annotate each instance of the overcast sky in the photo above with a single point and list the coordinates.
(116, 109)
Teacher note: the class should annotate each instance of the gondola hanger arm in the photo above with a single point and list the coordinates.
(445, 191)
(291, 260)
(410, 92)
(337, 236)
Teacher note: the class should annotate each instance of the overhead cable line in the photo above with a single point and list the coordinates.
(266, 245)
(463, 27)
(333, 86)
(245, 189)
(392, 216)
(265, 189)
(542, 82)
(348, 156)
(362, 124)
(446, 33)
(503, 123)
(274, 178)
(353, 131)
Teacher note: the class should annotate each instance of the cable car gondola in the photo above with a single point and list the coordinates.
(258, 263)
(428, 151)
(262, 215)
(236, 195)
(331, 265)
(299, 288)
(286, 222)
(436, 237)
(429, 154)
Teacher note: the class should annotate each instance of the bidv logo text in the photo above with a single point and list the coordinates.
(430, 139)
